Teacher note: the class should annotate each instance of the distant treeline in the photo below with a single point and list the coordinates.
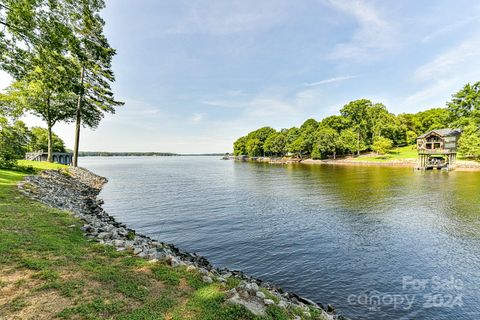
(366, 126)
(142, 154)
(126, 154)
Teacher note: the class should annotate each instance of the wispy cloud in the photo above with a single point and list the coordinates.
(258, 106)
(327, 81)
(197, 118)
(450, 27)
(228, 17)
(372, 35)
(452, 62)
(445, 74)
(434, 94)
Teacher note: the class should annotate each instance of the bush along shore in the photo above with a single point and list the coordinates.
(76, 190)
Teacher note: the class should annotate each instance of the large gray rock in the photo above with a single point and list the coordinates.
(253, 305)
(260, 295)
(102, 235)
(207, 279)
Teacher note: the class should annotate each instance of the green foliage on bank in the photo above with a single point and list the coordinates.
(16, 139)
(367, 126)
(60, 61)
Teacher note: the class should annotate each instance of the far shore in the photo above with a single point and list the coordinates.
(461, 165)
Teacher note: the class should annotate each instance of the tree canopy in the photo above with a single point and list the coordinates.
(367, 126)
(61, 62)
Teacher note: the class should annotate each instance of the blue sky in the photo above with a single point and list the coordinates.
(195, 75)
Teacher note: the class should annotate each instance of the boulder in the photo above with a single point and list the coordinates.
(207, 279)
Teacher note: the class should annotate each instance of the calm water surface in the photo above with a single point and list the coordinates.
(377, 243)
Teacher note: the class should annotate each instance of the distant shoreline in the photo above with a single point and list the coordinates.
(144, 154)
(462, 165)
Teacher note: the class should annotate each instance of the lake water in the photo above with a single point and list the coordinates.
(375, 242)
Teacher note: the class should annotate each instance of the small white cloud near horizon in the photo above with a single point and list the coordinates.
(327, 81)
(197, 118)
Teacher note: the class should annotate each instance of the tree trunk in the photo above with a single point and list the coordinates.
(334, 155)
(78, 121)
(50, 144)
(358, 143)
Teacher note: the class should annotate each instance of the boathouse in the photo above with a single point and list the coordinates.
(58, 157)
(437, 149)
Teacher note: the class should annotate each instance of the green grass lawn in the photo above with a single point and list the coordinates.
(49, 270)
(39, 165)
(400, 153)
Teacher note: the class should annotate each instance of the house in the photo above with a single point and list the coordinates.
(437, 149)
(58, 157)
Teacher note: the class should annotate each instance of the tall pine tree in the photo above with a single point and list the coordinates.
(93, 55)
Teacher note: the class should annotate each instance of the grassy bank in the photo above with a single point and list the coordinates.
(48, 270)
(396, 154)
(402, 154)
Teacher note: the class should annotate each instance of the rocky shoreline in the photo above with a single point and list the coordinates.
(76, 190)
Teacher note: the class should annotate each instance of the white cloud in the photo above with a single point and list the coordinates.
(450, 27)
(434, 94)
(331, 80)
(197, 118)
(228, 17)
(373, 34)
(267, 107)
(463, 58)
(445, 75)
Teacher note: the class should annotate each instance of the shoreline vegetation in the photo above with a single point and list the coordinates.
(408, 163)
(363, 126)
(67, 258)
(397, 157)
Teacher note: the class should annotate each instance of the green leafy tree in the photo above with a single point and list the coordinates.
(275, 144)
(358, 116)
(298, 146)
(469, 143)
(39, 140)
(13, 142)
(240, 146)
(326, 143)
(307, 130)
(411, 137)
(382, 145)
(291, 135)
(43, 93)
(411, 126)
(435, 118)
(280, 144)
(465, 104)
(338, 123)
(348, 141)
(261, 135)
(40, 62)
(254, 147)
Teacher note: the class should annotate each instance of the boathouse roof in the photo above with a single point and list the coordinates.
(447, 132)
